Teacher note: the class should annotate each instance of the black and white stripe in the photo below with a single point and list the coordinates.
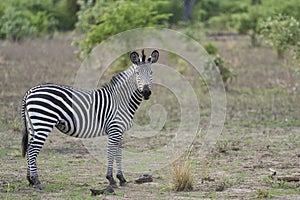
(86, 113)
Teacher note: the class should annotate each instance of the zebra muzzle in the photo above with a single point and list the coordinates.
(146, 92)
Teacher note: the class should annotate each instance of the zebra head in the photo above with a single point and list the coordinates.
(143, 71)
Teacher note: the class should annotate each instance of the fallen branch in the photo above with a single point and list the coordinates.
(289, 178)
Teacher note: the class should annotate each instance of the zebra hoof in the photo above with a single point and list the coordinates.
(38, 186)
(112, 182)
(35, 182)
(31, 183)
(123, 183)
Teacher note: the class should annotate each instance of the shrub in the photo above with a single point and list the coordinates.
(15, 24)
(225, 72)
(65, 12)
(43, 22)
(283, 33)
(23, 18)
(247, 22)
(101, 20)
(192, 29)
(210, 48)
(220, 22)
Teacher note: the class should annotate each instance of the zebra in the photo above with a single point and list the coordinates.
(86, 113)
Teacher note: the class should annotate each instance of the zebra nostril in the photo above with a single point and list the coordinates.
(146, 92)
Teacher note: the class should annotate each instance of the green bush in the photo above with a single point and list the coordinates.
(43, 22)
(210, 48)
(192, 29)
(15, 24)
(290, 7)
(103, 20)
(283, 33)
(247, 23)
(21, 18)
(65, 12)
(241, 16)
(226, 73)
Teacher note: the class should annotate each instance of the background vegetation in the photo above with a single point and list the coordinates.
(98, 19)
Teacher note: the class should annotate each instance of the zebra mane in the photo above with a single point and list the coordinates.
(143, 56)
(118, 79)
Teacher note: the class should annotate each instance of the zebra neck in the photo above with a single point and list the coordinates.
(124, 87)
(129, 91)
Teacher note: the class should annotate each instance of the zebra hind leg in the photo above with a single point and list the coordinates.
(31, 183)
(37, 141)
(34, 181)
(32, 175)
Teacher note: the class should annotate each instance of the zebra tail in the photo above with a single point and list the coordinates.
(25, 130)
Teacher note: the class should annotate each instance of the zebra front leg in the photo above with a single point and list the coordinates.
(111, 153)
(119, 165)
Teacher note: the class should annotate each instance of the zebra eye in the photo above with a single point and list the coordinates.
(137, 72)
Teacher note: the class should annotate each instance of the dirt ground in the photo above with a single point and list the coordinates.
(261, 133)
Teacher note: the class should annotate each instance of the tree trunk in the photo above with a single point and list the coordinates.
(254, 2)
(188, 8)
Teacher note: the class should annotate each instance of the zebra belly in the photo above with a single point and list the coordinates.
(88, 129)
(74, 112)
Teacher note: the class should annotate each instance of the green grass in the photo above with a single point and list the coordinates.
(275, 193)
(76, 193)
(12, 187)
(285, 185)
(241, 176)
(212, 195)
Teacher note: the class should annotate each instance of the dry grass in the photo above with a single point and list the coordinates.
(206, 176)
(262, 194)
(182, 175)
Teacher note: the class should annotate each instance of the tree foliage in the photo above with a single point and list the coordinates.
(282, 32)
(15, 24)
(102, 19)
(247, 23)
(22, 18)
(65, 12)
(98, 19)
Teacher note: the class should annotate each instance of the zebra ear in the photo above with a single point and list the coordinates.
(154, 56)
(134, 57)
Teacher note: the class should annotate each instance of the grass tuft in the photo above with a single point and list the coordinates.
(261, 193)
(15, 125)
(182, 175)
